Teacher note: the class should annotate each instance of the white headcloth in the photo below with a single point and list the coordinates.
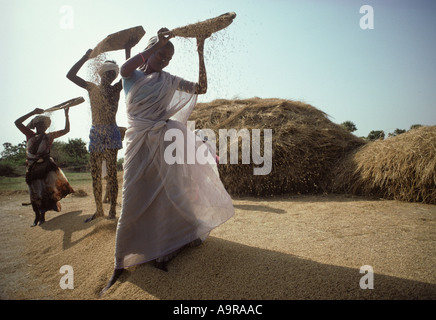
(108, 66)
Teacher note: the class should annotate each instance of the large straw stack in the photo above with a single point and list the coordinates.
(305, 144)
(401, 168)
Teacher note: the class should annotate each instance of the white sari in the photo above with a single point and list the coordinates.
(165, 206)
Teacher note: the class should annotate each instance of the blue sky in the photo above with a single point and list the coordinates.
(313, 51)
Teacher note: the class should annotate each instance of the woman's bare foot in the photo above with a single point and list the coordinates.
(112, 280)
(95, 216)
(162, 265)
(112, 214)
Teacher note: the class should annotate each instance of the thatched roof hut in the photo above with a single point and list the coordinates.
(305, 144)
(401, 167)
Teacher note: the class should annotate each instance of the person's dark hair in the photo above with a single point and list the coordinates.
(153, 41)
(171, 45)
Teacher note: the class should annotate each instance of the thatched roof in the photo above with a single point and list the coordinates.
(305, 144)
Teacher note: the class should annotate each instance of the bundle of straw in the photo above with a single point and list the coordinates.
(305, 144)
(401, 168)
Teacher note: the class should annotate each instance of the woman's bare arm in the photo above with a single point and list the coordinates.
(19, 122)
(72, 74)
(202, 77)
(138, 60)
(60, 133)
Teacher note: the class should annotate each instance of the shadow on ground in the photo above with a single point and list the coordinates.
(71, 222)
(243, 272)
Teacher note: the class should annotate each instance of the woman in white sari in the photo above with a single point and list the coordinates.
(169, 200)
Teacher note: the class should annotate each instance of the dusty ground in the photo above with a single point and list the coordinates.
(287, 247)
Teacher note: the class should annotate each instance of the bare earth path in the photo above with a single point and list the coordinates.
(287, 247)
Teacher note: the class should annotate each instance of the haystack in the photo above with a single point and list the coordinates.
(400, 168)
(305, 144)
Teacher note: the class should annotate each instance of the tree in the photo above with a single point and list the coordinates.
(76, 148)
(70, 154)
(349, 126)
(415, 126)
(12, 158)
(375, 135)
(15, 155)
(120, 164)
(396, 132)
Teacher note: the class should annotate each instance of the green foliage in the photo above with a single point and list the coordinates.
(76, 148)
(10, 170)
(349, 126)
(120, 163)
(12, 183)
(14, 155)
(415, 126)
(376, 134)
(13, 159)
(396, 132)
(77, 179)
(72, 154)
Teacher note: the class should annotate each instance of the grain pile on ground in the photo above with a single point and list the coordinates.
(286, 247)
(305, 144)
(400, 168)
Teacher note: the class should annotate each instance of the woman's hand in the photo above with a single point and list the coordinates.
(200, 41)
(164, 35)
(130, 44)
(139, 60)
(200, 45)
(88, 53)
(38, 111)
